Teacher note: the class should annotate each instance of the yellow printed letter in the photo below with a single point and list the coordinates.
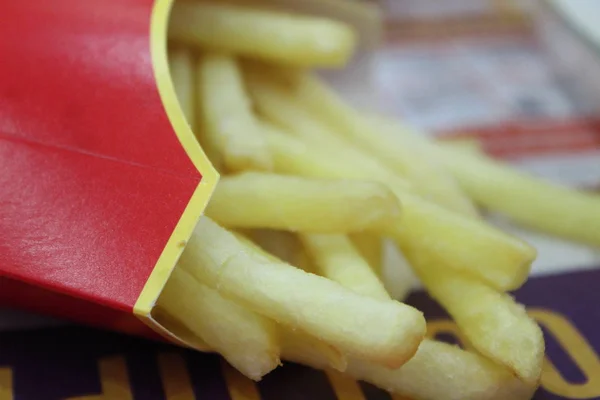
(175, 377)
(578, 349)
(114, 379)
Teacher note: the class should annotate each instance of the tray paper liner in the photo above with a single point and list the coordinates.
(62, 364)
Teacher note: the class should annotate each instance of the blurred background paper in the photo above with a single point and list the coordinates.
(521, 77)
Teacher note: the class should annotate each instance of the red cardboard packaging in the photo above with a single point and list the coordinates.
(102, 179)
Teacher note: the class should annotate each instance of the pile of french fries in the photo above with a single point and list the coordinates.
(286, 263)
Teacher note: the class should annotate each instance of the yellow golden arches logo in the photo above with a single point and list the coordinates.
(6, 384)
(571, 341)
(114, 380)
(580, 351)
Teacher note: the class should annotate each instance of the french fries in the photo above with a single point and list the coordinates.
(296, 346)
(284, 245)
(443, 372)
(301, 204)
(301, 348)
(181, 64)
(277, 36)
(370, 246)
(463, 244)
(255, 353)
(431, 373)
(229, 124)
(300, 156)
(424, 227)
(529, 201)
(492, 322)
(386, 332)
(179, 329)
(307, 108)
(276, 104)
(406, 154)
(279, 109)
(319, 186)
(336, 258)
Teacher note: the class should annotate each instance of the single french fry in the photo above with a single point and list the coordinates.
(444, 372)
(219, 321)
(406, 154)
(265, 34)
(286, 76)
(370, 246)
(410, 155)
(274, 100)
(493, 323)
(291, 154)
(227, 119)
(462, 244)
(397, 275)
(301, 348)
(530, 201)
(457, 242)
(296, 346)
(336, 258)
(180, 330)
(262, 200)
(182, 66)
(282, 244)
(385, 332)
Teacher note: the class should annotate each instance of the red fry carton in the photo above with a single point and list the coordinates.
(102, 180)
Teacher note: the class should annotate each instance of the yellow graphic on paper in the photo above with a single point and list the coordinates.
(6, 384)
(240, 387)
(580, 351)
(114, 380)
(571, 340)
(175, 377)
(176, 380)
